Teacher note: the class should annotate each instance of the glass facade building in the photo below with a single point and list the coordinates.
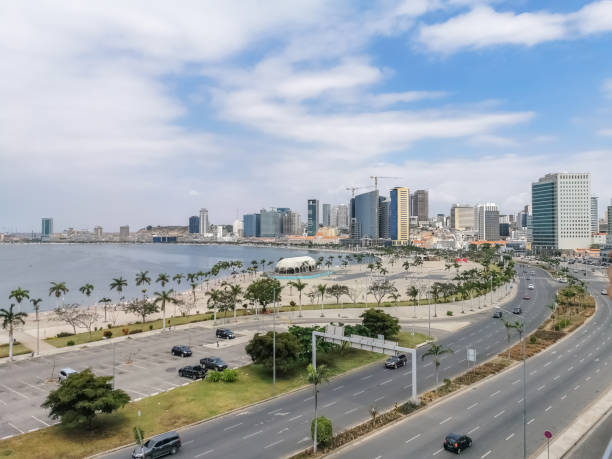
(251, 225)
(270, 223)
(365, 208)
(194, 224)
(544, 218)
(399, 215)
(47, 227)
(326, 214)
(313, 216)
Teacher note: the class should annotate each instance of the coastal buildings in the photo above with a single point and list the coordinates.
(326, 214)
(270, 223)
(238, 228)
(313, 216)
(47, 228)
(340, 217)
(399, 216)
(291, 223)
(98, 233)
(203, 221)
(419, 205)
(194, 224)
(487, 222)
(383, 217)
(462, 217)
(364, 216)
(124, 233)
(594, 215)
(252, 225)
(561, 211)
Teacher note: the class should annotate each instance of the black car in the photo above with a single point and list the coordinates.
(213, 363)
(517, 310)
(158, 446)
(396, 361)
(181, 351)
(497, 315)
(225, 333)
(192, 371)
(456, 442)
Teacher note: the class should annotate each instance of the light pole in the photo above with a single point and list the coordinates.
(521, 331)
(113, 365)
(274, 339)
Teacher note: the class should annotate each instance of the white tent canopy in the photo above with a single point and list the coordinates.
(295, 265)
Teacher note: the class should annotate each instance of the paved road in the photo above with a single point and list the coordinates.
(560, 383)
(281, 426)
(596, 441)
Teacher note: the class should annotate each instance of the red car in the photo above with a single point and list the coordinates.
(526, 297)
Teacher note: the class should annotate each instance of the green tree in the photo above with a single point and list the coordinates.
(337, 290)
(260, 349)
(381, 289)
(81, 397)
(10, 320)
(19, 295)
(118, 284)
(316, 377)
(379, 322)
(58, 289)
(36, 304)
(191, 278)
(178, 278)
(86, 290)
(322, 290)
(143, 308)
(162, 279)
(299, 286)
(163, 297)
(264, 291)
(304, 338)
(106, 302)
(435, 291)
(143, 278)
(436, 350)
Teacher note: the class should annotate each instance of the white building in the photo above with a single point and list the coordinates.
(238, 228)
(203, 221)
(594, 215)
(487, 222)
(462, 217)
(340, 216)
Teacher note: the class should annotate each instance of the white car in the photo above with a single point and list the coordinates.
(531, 287)
(604, 292)
(64, 373)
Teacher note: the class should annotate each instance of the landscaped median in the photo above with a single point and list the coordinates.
(18, 349)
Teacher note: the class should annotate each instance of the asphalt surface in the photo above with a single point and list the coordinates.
(280, 427)
(594, 444)
(561, 382)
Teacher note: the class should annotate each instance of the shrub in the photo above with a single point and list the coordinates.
(324, 430)
(533, 339)
(150, 327)
(213, 376)
(125, 331)
(449, 313)
(229, 376)
(107, 333)
(136, 330)
(70, 343)
(183, 314)
(64, 334)
(109, 326)
(292, 304)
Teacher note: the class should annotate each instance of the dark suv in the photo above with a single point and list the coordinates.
(181, 351)
(517, 310)
(192, 371)
(396, 361)
(213, 363)
(497, 315)
(456, 442)
(161, 445)
(225, 333)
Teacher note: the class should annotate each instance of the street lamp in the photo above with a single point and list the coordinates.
(521, 331)
(274, 338)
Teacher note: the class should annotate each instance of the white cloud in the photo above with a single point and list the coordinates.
(605, 132)
(592, 18)
(386, 99)
(607, 87)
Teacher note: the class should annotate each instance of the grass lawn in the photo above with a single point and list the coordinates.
(18, 348)
(405, 339)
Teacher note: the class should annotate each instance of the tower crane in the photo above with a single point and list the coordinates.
(352, 189)
(376, 177)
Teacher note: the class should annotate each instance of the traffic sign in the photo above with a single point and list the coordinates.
(548, 434)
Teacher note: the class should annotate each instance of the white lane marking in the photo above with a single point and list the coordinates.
(570, 368)
(386, 382)
(413, 438)
(564, 397)
(485, 454)
(34, 387)
(15, 427)
(41, 421)
(136, 392)
(530, 421)
(549, 407)
(186, 442)
(3, 402)
(252, 434)
(295, 417)
(533, 372)
(204, 453)
(7, 437)
(406, 373)
(541, 387)
(577, 387)
(407, 386)
(14, 391)
(495, 393)
(309, 398)
(430, 376)
(273, 444)
(379, 398)
(352, 410)
(519, 401)
(597, 371)
(437, 452)
(303, 440)
(366, 377)
(587, 378)
(474, 429)
(337, 388)
(232, 427)
(446, 420)
(499, 414)
(283, 430)
(329, 404)
(517, 381)
(509, 436)
(276, 411)
(547, 363)
(358, 393)
(472, 406)
(427, 365)
(556, 377)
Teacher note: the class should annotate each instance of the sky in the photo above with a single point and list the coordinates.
(143, 112)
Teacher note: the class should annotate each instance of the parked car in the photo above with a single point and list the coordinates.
(181, 350)
(497, 315)
(526, 297)
(531, 287)
(517, 310)
(456, 442)
(213, 363)
(225, 333)
(158, 446)
(396, 361)
(192, 371)
(604, 292)
(64, 373)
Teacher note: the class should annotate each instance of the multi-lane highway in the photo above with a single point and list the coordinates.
(561, 382)
(281, 426)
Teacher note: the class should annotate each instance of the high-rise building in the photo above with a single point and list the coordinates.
(238, 228)
(487, 222)
(194, 224)
(399, 215)
(204, 221)
(326, 214)
(124, 233)
(270, 223)
(364, 216)
(609, 235)
(419, 205)
(313, 216)
(462, 217)
(292, 224)
(561, 211)
(383, 217)
(594, 214)
(252, 225)
(98, 232)
(340, 216)
(47, 228)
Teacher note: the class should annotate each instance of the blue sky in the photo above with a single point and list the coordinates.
(142, 113)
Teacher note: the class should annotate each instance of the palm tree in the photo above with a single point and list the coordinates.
(58, 289)
(436, 350)
(10, 320)
(191, 278)
(435, 294)
(413, 292)
(164, 297)
(214, 301)
(105, 301)
(235, 291)
(316, 377)
(36, 303)
(406, 266)
(143, 278)
(509, 326)
(178, 278)
(86, 289)
(117, 284)
(162, 279)
(321, 289)
(19, 294)
(299, 286)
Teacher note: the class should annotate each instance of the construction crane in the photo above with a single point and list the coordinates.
(352, 189)
(376, 177)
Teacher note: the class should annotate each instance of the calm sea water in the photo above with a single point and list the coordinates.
(34, 266)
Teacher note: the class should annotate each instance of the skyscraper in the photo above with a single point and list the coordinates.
(292, 224)
(98, 232)
(383, 217)
(326, 214)
(47, 228)
(419, 205)
(561, 211)
(364, 216)
(270, 223)
(124, 233)
(194, 224)
(340, 216)
(203, 221)
(313, 216)
(594, 214)
(399, 215)
(487, 222)
(252, 225)
(462, 217)
(609, 235)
